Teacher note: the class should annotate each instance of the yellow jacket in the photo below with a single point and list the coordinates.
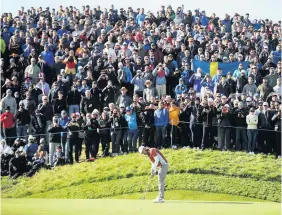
(173, 115)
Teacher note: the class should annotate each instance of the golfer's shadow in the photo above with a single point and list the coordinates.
(196, 202)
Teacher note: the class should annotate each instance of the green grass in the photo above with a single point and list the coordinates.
(233, 173)
(136, 207)
(188, 195)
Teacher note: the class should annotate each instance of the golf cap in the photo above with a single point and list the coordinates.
(141, 148)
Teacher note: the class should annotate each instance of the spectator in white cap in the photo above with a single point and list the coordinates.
(252, 121)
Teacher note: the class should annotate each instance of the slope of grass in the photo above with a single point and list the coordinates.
(233, 173)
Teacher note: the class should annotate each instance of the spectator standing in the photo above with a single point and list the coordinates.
(252, 121)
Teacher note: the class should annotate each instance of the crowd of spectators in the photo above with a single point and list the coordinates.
(124, 78)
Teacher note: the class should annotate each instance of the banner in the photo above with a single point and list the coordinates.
(211, 67)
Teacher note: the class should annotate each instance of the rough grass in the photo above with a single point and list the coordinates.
(233, 173)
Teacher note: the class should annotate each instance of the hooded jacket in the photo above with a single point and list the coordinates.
(9, 101)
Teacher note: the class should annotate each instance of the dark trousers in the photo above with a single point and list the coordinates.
(92, 146)
(197, 132)
(208, 136)
(161, 134)
(105, 141)
(173, 132)
(270, 144)
(278, 143)
(124, 142)
(148, 136)
(184, 135)
(8, 134)
(73, 144)
(241, 139)
(117, 141)
(252, 135)
(223, 138)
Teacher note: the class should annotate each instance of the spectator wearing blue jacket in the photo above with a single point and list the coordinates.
(186, 74)
(196, 80)
(160, 72)
(207, 82)
(161, 122)
(31, 148)
(64, 121)
(181, 87)
(140, 18)
(277, 55)
(62, 31)
(204, 20)
(48, 56)
(217, 77)
(132, 131)
(139, 83)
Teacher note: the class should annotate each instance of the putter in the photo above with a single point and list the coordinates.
(147, 188)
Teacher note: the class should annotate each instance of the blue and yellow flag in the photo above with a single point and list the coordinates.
(211, 67)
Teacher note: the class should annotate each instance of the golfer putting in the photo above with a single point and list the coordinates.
(157, 160)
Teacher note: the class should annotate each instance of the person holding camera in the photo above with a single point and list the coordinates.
(92, 137)
(139, 83)
(160, 72)
(55, 130)
(117, 125)
(71, 63)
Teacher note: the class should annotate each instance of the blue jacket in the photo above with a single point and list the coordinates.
(64, 122)
(160, 80)
(48, 57)
(180, 88)
(140, 18)
(128, 74)
(131, 121)
(276, 56)
(196, 81)
(161, 117)
(204, 21)
(186, 75)
(210, 85)
(216, 79)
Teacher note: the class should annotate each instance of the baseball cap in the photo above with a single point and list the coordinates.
(128, 108)
(249, 99)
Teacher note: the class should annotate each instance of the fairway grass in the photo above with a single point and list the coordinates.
(189, 195)
(134, 207)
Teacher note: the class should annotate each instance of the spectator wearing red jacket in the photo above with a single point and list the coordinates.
(8, 124)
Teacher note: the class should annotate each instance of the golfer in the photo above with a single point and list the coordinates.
(157, 160)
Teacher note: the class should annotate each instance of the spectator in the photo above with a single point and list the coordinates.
(161, 121)
(55, 138)
(132, 131)
(252, 121)
(9, 101)
(250, 88)
(8, 125)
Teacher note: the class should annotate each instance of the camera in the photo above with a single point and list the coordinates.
(70, 59)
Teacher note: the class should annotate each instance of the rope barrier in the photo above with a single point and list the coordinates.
(124, 128)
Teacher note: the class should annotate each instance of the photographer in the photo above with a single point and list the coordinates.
(138, 82)
(108, 94)
(55, 138)
(70, 66)
(149, 124)
(117, 125)
(92, 137)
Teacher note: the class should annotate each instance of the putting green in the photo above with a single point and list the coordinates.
(134, 207)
